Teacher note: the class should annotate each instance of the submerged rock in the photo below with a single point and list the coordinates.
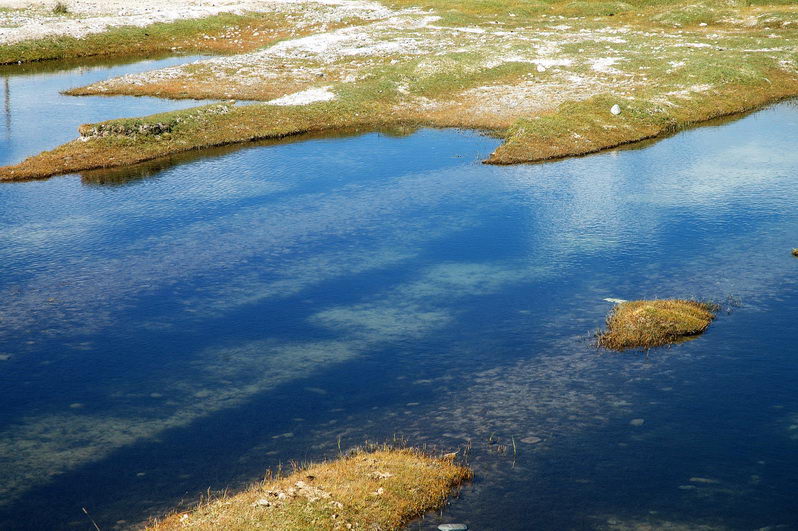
(647, 324)
(709, 481)
(531, 440)
(637, 422)
(453, 527)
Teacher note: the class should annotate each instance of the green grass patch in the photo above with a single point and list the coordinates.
(582, 127)
(690, 15)
(187, 35)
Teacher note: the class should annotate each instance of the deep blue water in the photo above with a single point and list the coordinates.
(190, 323)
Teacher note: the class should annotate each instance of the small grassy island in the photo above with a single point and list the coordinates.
(384, 489)
(646, 324)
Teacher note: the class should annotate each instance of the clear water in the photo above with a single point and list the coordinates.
(191, 323)
(36, 116)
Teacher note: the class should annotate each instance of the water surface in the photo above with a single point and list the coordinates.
(190, 323)
(36, 116)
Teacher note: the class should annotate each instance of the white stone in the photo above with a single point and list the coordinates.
(616, 109)
(305, 97)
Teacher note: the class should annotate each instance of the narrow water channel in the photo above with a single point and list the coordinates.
(193, 322)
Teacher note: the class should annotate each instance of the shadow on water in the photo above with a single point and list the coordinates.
(95, 62)
(137, 172)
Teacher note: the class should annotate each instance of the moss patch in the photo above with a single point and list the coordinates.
(646, 324)
(384, 489)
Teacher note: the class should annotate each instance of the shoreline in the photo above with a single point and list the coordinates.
(591, 82)
(119, 149)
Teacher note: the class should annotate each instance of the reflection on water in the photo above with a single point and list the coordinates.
(192, 321)
(37, 117)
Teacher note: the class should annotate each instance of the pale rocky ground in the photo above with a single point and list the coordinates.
(565, 59)
(566, 62)
(23, 20)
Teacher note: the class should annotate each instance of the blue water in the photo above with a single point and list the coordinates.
(193, 322)
(35, 116)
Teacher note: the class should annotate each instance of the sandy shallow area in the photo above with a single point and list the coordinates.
(24, 20)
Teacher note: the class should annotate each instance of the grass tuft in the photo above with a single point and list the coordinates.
(382, 489)
(647, 324)
(60, 8)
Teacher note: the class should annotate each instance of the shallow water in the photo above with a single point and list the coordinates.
(36, 116)
(190, 323)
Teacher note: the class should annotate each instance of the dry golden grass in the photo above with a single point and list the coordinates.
(384, 489)
(647, 324)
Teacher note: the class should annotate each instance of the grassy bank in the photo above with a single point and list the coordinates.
(543, 76)
(219, 34)
(574, 129)
(130, 141)
(384, 489)
(587, 127)
(648, 324)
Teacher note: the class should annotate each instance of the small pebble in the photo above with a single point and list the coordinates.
(615, 109)
(453, 527)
